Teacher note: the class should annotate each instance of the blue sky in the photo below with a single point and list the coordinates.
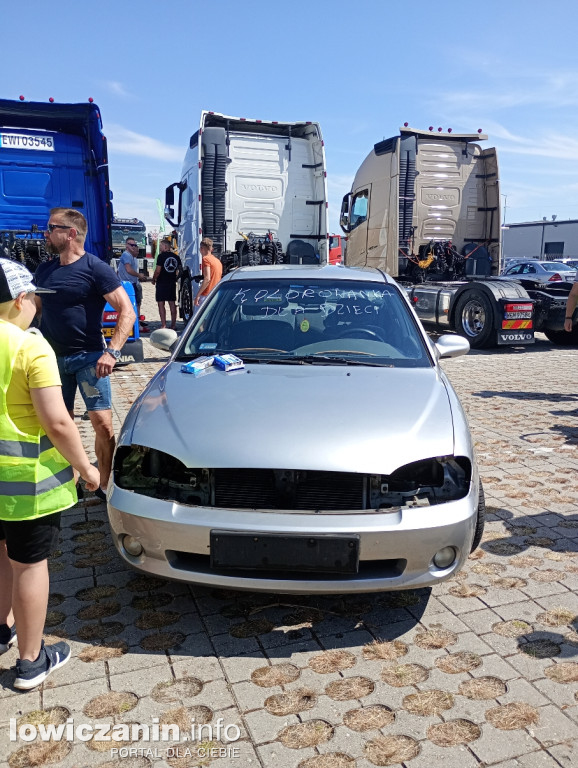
(361, 69)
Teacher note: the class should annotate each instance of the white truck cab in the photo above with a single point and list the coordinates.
(257, 188)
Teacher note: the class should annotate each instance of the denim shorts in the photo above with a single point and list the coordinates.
(79, 370)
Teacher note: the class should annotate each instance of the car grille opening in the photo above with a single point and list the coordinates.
(270, 489)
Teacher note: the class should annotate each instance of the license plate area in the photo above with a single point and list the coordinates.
(285, 552)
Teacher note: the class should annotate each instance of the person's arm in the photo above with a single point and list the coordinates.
(570, 307)
(38, 302)
(119, 300)
(156, 275)
(63, 433)
(205, 284)
(131, 270)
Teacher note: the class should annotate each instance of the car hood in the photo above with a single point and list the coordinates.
(332, 418)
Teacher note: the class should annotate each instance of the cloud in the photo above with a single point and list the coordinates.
(129, 142)
(117, 88)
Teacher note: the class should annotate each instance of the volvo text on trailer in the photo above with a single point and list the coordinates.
(257, 189)
(55, 155)
(425, 207)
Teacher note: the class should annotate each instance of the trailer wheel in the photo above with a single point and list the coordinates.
(186, 300)
(480, 522)
(563, 338)
(474, 319)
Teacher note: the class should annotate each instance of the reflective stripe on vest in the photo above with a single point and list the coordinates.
(22, 450)
(35, 489)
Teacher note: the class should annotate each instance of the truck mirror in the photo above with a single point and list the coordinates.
(169, 211)
(170, 196)
(345, 208)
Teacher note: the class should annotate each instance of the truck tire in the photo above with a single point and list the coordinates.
(186, 299)
(481, 519)
(563, 338)
(474, 319)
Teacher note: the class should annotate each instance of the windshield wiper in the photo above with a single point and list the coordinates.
(324, 359)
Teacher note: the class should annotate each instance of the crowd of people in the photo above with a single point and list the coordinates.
(41, 371)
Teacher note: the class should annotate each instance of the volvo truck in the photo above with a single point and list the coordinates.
(257, 188)
(55, 155)
(425, 207)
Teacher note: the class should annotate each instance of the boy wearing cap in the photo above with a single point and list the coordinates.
(38, 444)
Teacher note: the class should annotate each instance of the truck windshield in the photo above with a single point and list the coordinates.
(281, 320)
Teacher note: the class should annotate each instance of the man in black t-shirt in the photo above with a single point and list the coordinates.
(165, 279)
(71, 321)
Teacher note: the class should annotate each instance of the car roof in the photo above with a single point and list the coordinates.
(308, 272)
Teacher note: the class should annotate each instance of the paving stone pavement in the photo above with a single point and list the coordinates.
(481, 670)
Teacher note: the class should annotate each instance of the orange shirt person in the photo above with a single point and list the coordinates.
(212, 271)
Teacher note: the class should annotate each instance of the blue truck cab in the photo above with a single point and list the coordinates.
(54, 155)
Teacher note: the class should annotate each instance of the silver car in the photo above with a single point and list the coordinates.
(338, 459)
(541, 271)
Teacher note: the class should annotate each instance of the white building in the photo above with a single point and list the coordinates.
(546, 239)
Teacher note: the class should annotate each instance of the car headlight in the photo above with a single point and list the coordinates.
(159, 475)
(422, 483)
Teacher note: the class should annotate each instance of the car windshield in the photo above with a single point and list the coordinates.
(308, 322)
(556, 266)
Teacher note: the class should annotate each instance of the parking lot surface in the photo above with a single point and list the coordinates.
(480, 670)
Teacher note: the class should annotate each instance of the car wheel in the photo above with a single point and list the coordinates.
(481, 519)
(186, 300)
(563, 338)
(474, 319)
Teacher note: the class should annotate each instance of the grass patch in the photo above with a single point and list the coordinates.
(173, 691)
(434, 639)
(350, 688)
(150, 602)
(428, 702)
(109, 704)
(403, 599)
(509, 582)
(391, 750)
(483, 688)
(510, 717)
(490, 569)
(454, 663)
(565, 672)
(369, 718)
(279, 674)
(104, 652)
(467, 590)
(525, 561)
(182, 717)
(98, 611)
(144, 583)
(512, 628)
(547, 575)
(404, 674)
(161, 641)
(251, 628)
(308, 734)
(453, 733)
(328, 760)
(157, 619)
(53, 715)
(297, 700)
(557, 617)
(384, 650)
(100, 631)
(91, 594)
(332, 661)
(540, 649)
(41, 753)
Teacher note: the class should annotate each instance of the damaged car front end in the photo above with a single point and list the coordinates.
(338, 459)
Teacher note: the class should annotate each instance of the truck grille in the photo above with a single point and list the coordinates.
(288, 489)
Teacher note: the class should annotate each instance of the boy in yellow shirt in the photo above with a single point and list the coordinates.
(38, 444)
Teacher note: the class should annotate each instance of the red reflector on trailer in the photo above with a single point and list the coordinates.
(415, 299)
(308, 122)
(200, 163)
(21, 98)
(430, 128)
(90, 99)
(518, 307)
(258, 121)
(275, 122)
(242, 119)
(51, 100)
(405, 125)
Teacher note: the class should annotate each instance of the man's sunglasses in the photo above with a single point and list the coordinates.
(133, 245)
(52, 227)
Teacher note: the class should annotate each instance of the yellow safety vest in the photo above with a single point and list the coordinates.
(35, 479)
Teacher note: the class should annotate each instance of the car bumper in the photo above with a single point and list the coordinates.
(396, 549)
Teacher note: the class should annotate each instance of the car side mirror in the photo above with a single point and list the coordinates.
(164, 338)
(450, 345)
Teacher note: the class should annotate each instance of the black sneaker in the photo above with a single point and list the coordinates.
(7, 637)
(29, 674)
(100, 494)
